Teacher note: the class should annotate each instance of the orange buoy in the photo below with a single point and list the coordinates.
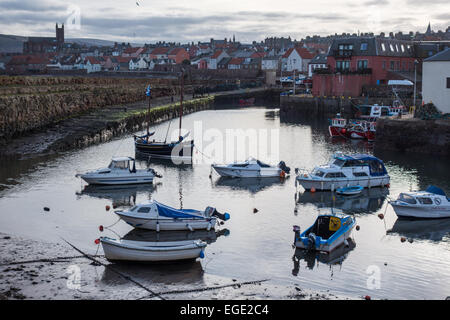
(100, 228)
(388, 185)
(402, 239)
(97, 241)
(107, 208)
(282, 174)
(313, 189)
(381, 216)
(357, 228)
(114, 206)
(367, 297)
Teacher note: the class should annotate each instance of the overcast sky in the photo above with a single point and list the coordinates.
(199, 20)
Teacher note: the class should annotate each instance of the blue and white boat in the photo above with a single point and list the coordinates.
(345, 171)
(349, 191)
(328, 232)
(157, 216)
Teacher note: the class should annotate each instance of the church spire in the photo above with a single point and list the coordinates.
(429, 28)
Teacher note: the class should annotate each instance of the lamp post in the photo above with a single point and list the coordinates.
(415, 80)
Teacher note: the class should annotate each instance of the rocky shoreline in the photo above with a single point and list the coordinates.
(35, 270)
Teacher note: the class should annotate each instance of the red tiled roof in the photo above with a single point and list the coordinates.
(131, 50)
(258, 55)
(123, 59)
(160, 50)
(92, 60)
(236, 61)
(302, 52)
(216, 54)
(28, 59)
(175, 51)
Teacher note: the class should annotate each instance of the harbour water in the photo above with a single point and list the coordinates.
(253, 244)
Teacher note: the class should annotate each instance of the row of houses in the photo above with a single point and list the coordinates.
(357, 62)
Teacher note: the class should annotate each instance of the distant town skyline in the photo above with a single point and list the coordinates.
(145, 21)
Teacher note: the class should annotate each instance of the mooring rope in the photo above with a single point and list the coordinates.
(57, 259)
(153, 294)
(207, 288)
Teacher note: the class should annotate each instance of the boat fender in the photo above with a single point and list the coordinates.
(107, 208)
(312, 190)
(100, 228)
(282, 174)
(189, 227)
(209, 226)
(157, 226)
(202, 254)
(97, 241)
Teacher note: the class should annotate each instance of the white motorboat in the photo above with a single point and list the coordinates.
(142, 251)
(345, 171)
(156, 216)
(429, 204)
(120, 171)
(251, 168)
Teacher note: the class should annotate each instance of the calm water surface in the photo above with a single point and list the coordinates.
(250, 246)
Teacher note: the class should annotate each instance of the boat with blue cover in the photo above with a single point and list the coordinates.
(429, 204)
(157, 216)
(328, 232)
(345, 171)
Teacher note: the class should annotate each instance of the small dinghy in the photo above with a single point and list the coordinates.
(350, 191)
(328, 232)
(142, 251)
(429, 204)
(157, 216)
(119, 172)
(251, 168)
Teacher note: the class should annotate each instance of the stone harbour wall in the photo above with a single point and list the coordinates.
(414, 135)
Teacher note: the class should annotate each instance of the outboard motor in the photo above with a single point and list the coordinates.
(311, 241)
(282, 165)
(222, 216)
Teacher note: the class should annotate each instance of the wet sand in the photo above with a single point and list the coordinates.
(36, 270)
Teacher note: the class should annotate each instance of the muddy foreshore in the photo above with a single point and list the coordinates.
(35, 270)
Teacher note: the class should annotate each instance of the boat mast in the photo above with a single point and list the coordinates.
(181, 101)
(149, 95)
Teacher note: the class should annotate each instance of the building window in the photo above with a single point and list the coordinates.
(392, 66)
(362, 64)
(364, 46)
(384, 65)
(448, 83)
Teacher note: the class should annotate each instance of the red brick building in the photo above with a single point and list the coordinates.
(355, 62)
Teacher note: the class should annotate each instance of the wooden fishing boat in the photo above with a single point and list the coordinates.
(163, 149)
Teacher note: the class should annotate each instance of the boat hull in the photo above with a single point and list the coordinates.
(419, 212)
(332, 185)
(328, 247)
(168, 224)
(162, 150)
(249, 173)
(101, 179)
(117, 252)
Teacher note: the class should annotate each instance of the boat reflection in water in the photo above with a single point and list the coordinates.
(368, 201)
(153, 236)
(183, 272)
(435, 230)
(253, 185)
(120, 195)
(335, 257)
